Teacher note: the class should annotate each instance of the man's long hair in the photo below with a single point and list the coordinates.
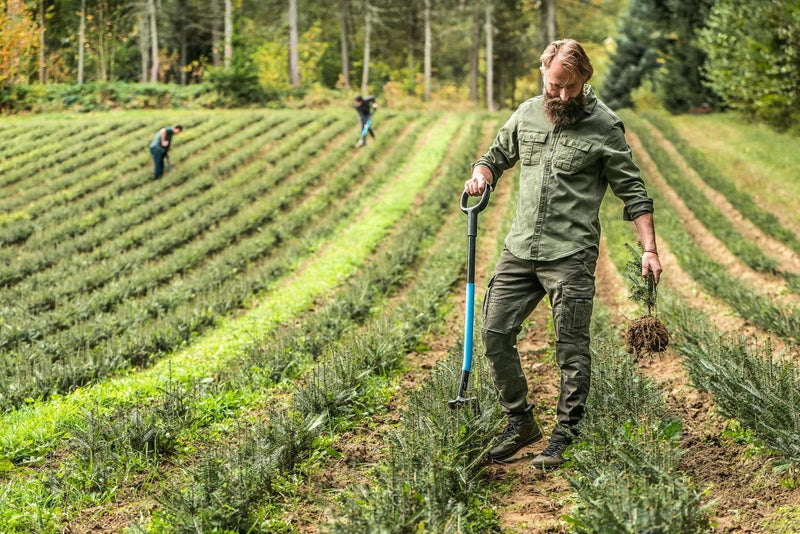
(573, 58)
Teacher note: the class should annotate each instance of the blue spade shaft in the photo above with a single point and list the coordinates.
(472, 233)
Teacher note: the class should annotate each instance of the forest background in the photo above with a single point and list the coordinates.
(683, 55)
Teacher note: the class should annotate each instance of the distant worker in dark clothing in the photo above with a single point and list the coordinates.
(365, 108)
(159, 148)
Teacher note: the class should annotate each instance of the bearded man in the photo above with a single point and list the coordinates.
(572, 146)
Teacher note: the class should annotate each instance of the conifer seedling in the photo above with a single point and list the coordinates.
(646, 335)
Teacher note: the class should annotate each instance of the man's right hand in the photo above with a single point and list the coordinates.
(481, 177)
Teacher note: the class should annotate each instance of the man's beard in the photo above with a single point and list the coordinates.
(562, 113)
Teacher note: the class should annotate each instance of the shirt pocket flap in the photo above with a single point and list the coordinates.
(533, 137)
(583, 146)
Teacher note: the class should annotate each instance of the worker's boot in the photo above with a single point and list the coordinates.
(519, 432)
(552, 456)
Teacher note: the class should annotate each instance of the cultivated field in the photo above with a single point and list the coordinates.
(265, 339)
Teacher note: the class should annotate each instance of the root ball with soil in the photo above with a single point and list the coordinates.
(647, 335)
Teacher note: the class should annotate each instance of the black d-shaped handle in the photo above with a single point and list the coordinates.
(477, 208)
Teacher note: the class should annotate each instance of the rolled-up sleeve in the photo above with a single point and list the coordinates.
(504, 151)
(623, 175)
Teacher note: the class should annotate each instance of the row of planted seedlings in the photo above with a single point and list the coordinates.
(80, 289)
(18, 137)
(742, 201)
(262, 362)
(127, 138)
(708, 214)
(715, 278)
(248, 486)
(138, 331)
(125, 185)
(431, 477)
(747, 380)
(54, 216)
(41, 156)
(110, 217)
(44, 138)
(626, 465)
(712, 218)
(33, 429)
(195, 229)
(31, 184)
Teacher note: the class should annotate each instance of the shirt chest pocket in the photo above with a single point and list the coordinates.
(571, 154)
(531, 147)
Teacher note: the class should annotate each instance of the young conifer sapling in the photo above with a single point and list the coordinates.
(646, 335)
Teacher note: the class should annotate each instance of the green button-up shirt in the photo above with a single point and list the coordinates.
(564, 175)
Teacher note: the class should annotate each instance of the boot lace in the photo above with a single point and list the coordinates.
(555, 448)
(510, 432)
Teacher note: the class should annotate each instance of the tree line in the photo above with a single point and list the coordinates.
(693, 54)
(478, 50)
(711, 54)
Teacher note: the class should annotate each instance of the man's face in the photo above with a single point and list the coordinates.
(562, 94)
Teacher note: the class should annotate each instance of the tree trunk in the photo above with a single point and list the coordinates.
(82, 41)
(42, 44)
(182, 33)
(489, 59)
(102, 50)
(474, 54)
(501, 87)
(153, 40)
(343, 37)
(294, 58)
(215, 16)
(427, 50)
(549, 20)
(229, 33)
(365, 70)
(144, 36)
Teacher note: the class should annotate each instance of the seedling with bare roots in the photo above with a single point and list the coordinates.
(646, 335)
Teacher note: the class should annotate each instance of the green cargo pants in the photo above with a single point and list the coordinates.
(515, 289)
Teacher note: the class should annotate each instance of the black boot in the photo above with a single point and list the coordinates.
(516, 435)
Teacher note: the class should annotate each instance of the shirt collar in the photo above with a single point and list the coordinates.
(591, 99)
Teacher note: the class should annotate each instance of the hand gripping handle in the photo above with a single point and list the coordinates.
(480, 206)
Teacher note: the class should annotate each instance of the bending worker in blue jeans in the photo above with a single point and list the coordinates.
(571, 147)
(159, 147)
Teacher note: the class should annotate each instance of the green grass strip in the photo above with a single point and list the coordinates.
(40, 423)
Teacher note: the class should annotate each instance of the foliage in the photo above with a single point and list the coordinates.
(103, 96)
(270, 59)
(627, 459)
(640, 290)
(748, 380)
(657, 47)
(239, 85)
(18, 40)
(753, 60)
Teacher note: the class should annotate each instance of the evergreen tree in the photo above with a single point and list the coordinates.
(658, 45)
